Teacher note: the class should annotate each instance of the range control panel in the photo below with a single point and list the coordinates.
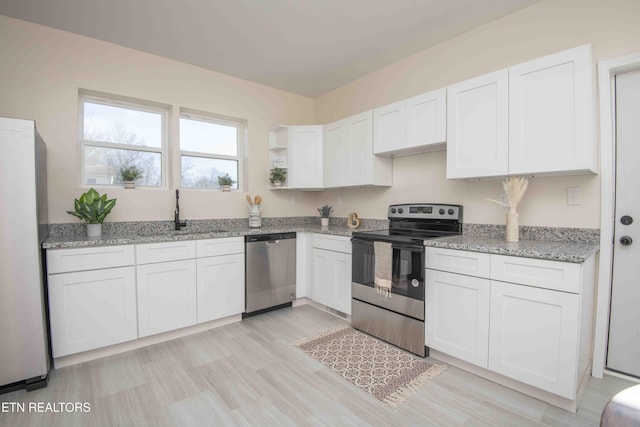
(425, 211)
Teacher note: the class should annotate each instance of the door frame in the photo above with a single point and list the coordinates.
(607, 71)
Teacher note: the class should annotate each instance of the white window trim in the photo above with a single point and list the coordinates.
(132, 104)
(240, 157)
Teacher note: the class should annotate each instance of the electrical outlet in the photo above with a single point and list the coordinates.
(293, 200)
(503, 198)
(339, 200)
(574, 196)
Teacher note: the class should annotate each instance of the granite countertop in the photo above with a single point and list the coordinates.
(539, 249)
(76, 241)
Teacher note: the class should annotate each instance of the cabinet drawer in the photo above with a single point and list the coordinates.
(217, 247)
(80, 259)
(167, 251)
(332, 243)
(462, 262)
(555, 275)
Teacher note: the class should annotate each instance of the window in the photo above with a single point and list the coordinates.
(116, 134)
(209, 148)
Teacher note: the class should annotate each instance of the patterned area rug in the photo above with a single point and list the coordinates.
(382, 370)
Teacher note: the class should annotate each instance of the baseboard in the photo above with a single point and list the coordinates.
(74, 359)
(545, 396)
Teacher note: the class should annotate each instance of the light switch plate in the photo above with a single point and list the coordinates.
(574, 196)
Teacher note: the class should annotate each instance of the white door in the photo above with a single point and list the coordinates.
(624, 325)
(478, 127)
(533, 336)
(457, 316)
(334, 158)
(92, 309)
(220, 286)
(166, 296)
(389, 128)
(427, 119)
(550, 111)
(322, 291)
(359, 149)
(341, 266)
(305, 157)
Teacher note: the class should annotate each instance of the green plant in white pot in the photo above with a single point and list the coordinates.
(225, 182)
(324, 212)
(278, 176)
(129, 175)
(92, 208)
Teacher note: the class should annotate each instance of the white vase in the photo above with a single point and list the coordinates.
(226, 188)
(324, 222)
(129, 185)
(512, 232)
(277, 183)
(94, 230)
(255, 219)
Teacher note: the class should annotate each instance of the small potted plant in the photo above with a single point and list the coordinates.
(325, 211)
(92, 208)
(129, 175)
(225, 182)
(278, 176)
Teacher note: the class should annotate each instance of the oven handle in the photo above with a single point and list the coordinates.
(395, 245)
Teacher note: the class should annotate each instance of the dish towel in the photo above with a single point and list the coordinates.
(383, 256)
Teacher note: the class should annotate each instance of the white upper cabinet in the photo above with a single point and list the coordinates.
(535, 118)
(550, 114)
(411, 126)
(349, 160)
(477, 127)
(390, 128)
(299, 150)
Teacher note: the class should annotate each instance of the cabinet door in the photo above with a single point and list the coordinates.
(534, 336)
(551, 114)
(92, 309)
(334, 155)
(359, 149)
(305, 156)
(457, 316)
(389, 128)
(341, 266)
(331, 281)
(477, 127)
(427, 120)
(166, 296)
(220, 286)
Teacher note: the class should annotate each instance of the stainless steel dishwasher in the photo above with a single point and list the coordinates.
(270, 272)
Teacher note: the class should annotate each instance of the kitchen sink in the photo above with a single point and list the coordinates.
(179, 232)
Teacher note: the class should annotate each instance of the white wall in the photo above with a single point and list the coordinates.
(611, 26)
(42, 70)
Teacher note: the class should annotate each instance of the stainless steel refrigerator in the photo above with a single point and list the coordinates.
(24, 342)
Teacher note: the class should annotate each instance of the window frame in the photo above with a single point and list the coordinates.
(217, 119)
(131, 104)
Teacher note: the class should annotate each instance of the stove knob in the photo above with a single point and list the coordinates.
(441, 211)
(450, 211)
(415, 283)
(393, 210)
(400, 210)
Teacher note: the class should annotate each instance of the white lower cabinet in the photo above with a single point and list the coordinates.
(457, 316)
(534, 328)
(92, 309)
(220, 286)
(534, 336)
(331, 277)
(166, 296)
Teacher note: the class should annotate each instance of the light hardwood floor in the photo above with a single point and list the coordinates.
(251, 374)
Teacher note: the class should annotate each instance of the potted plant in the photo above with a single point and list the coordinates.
(325, 211)
(92, 208)
(225, 182)
(129, 175)
(278, 176)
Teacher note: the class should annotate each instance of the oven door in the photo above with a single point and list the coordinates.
(407, 288)
(407, 267)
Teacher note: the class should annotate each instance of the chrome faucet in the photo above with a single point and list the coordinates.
(176, 220)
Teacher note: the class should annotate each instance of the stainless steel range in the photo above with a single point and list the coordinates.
(388, 288)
